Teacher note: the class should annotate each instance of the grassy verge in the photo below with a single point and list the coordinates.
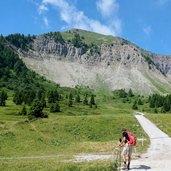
(163, 121)
(54, 165)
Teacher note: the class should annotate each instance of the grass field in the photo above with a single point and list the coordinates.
(163, 121)
(89, 37)
(54, 165)
(75, 130)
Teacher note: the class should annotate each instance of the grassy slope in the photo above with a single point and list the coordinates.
(79, 129)
(89, 37)
(162, 88)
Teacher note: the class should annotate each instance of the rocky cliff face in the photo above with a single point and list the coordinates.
(115, 65)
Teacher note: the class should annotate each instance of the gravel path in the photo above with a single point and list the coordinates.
(158, 156)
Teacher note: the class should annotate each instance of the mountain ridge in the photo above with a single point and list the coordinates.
(81, 57)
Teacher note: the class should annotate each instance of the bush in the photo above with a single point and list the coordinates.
(134, 106)
(23, 111)
(36, 110)
(55, 107)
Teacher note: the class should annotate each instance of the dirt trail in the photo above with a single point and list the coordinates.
(158, 156)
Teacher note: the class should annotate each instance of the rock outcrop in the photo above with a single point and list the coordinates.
(115, 65)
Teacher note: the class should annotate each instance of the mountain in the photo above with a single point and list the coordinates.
(79, 57)
(14, 75)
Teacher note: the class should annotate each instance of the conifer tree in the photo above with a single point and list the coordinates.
(85, 101)
(92, 100)
(130, 93)
(50, 97)
(56, 95)
(36, 110)
(40, 94)
(122, 93)
(23, 111)
(155, 110)
(3, 98)
(77, 99)
(70, 100)
(29, 97)
(134, 106)
(140, 102)
(43, 101)
(166, 105)
(55, 107)
(18, 98)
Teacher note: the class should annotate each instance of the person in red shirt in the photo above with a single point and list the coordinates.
(127, 148)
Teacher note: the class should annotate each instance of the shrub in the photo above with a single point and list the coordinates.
(36, 110)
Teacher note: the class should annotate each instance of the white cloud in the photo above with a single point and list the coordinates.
(147, 30)
(77, 19)
(42, 8)
(46, 22)
(107, 7)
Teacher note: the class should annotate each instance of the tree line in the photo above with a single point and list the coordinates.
(38, 100)
(160, 103)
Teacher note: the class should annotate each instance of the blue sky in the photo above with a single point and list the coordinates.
(146, 23)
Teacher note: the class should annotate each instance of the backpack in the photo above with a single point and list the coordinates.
(132, 138)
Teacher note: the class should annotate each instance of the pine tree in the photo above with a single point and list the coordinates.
(40, 94)
(140, 102)
(152, 102)
(56, 95)
(122, 93)
(36, 110)
(155, 110)
(92, 100)
(134, 106)
(166, 105)
(3, 98)
(29, 97)
(70, 96)
(130, 93)
(52, 107)
(77, 99)
(23, 111)
(70, 102)
(43, 101)
(50, 97)
(85, 101)
(18, 98)
(163, 110)
(55, 107)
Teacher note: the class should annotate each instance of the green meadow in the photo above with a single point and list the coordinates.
(51, 143)
(163, 121)
(62, 122)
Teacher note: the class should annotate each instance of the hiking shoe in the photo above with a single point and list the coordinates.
(124, 167)
(128, 165)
